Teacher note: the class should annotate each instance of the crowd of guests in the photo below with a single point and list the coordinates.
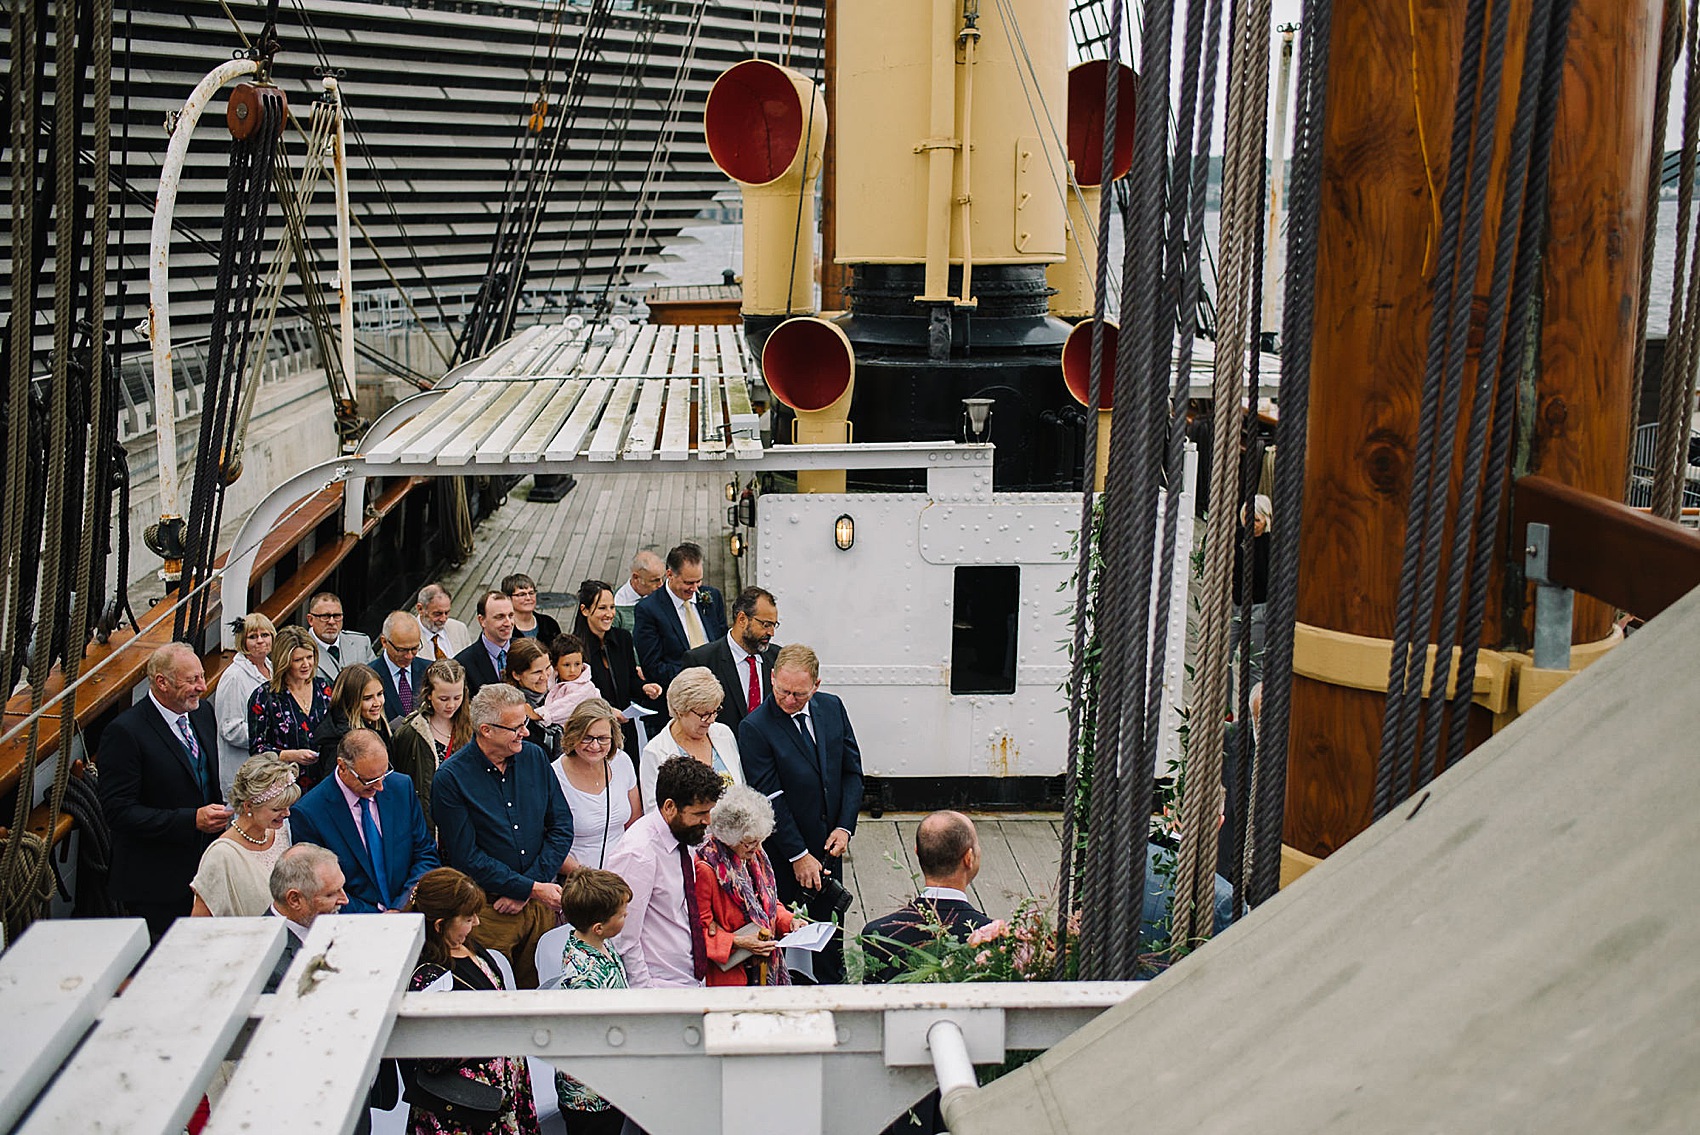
(495, 780)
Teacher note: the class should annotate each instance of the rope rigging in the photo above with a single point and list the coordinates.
(56, 481)
(1436, 715)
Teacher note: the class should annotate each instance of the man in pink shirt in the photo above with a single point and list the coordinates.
(662, 943)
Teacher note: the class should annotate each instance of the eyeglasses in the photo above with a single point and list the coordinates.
(394, 649)
(328, 616)
(516, 730)
(595, 742)
(366, 782)
(707, 715)
(765, 624)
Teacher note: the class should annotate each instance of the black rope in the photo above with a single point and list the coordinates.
(1413, 612)
(1298, 315)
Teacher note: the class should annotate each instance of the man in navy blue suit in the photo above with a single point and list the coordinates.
(398, 664)
(159, 789)
(369, 816)
(798, 749)
(683, 614)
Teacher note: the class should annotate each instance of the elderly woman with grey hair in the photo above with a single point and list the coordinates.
(737, 897)
(693, 698)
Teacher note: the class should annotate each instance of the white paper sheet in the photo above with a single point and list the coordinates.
(812, 936)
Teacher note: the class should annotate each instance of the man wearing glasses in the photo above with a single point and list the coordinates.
(337, 647)
(369, 817)
(743, 659)
(502, 819)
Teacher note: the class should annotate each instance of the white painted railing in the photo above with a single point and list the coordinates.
(799, 1061)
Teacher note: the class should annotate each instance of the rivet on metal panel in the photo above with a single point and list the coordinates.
(541, 1038)
(616, 1038)
(693, 1036)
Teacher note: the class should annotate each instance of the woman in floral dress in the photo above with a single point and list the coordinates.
(450, 903)
(283, 713)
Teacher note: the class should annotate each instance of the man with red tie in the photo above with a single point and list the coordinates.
(743, 660)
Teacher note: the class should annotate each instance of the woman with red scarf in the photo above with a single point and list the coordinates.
(737, 898)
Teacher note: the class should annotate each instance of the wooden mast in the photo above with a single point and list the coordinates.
(1382, 176)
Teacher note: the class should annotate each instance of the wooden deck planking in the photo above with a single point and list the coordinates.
(1001, 885)
(1035, 847)
(676, 433)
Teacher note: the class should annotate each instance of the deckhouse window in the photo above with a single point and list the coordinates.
(982, 635)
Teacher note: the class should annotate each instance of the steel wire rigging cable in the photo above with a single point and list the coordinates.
(1238, 296)
(1682, 351)
(253, 158)
(1269, 774)
(1083, 685)
(1418, 705)
(56, 491)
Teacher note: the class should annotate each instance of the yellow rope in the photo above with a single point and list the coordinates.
(1422, 138)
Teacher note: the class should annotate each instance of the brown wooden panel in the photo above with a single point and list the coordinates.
(1620, 555)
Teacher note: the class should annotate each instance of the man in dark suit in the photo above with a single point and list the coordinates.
(369, 816)
(948, 850)
(743, 659)
(798, 749)
(158, 765)
(398, 664)
(681, 614)
(487, 657)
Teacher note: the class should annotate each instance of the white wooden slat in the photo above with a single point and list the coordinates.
(501, 443)
(684, 352)
(54, 980)
(731, 351)
(530, 445)
(661, 354)
(405, 434)
(566, 444)
(471, 440)
(498, 357)
(605, 445)
(521, 361)
(326, 1030)
(640, 440)
(708, 351)
(711, 419)
(560, 359)
(427, 445)
(746, 426)
(676, 437)
(148, 1060)
(636, 355)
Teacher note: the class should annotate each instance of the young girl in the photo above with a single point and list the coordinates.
(595, 903)
(572, 680)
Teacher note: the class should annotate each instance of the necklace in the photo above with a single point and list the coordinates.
(261, 842)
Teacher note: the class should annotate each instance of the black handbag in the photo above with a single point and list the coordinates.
(462, 1104)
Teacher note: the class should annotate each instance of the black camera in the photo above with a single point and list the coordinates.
(831, 902)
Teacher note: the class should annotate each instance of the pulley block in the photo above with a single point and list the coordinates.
(247, 109)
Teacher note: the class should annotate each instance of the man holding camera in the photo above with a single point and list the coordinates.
(799, 749)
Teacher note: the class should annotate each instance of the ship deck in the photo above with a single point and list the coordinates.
(593, 533)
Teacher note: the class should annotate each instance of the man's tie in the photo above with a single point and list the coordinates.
(375, 849)
(755, 684)
(195, 756)
(437, 645)
(404, 691)
(501, 662)
(693, 626)
(699, 944)
(335, 650)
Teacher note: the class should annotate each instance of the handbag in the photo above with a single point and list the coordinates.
(462, 1104)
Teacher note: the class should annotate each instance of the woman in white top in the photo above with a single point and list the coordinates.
(598, 782)
(247, 672)
(693, 699)
(234, 879)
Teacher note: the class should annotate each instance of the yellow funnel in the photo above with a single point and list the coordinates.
(810, 367)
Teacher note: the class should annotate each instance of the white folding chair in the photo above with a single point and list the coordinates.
(548, 955)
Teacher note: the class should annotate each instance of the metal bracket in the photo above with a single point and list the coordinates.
(906, 1035)
(1555, 606)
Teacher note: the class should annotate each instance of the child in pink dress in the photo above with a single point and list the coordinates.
(572, 680)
